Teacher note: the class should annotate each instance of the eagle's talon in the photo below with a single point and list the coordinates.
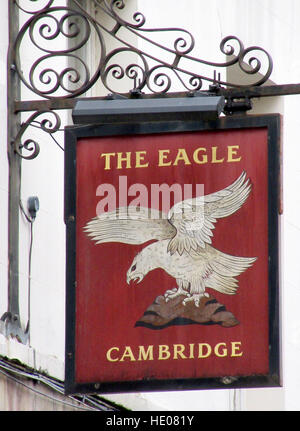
(196, 298)
(171, 294)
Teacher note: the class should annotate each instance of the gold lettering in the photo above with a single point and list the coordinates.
(203, 157)
(235, 348)
(178, 351)
(182, 155)
(127, 354)
(191, 351)
(107, 159)
(214, 156)
(145, 355)
(200, 156)
(162, 156)
(208, 350)
(232, 151)
(163, 352)
(218, 353)
(126, 159)
(140, 157)
(108, 354)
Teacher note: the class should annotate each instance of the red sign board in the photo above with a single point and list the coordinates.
(172, 272)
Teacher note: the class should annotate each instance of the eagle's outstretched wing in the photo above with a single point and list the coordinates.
(194, 218)
(130, 225)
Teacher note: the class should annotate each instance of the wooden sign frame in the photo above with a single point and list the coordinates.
(86, 149)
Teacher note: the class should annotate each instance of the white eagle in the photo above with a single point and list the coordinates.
(182, 241)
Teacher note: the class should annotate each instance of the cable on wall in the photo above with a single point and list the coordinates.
(86, 402)
(32, 207)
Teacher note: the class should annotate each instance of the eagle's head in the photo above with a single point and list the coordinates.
(141, 265)
(135, 272)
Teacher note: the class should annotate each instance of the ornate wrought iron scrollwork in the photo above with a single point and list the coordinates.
(49, 125)
(57, 37)
(52, 27)
(183, 45)
(47, 31)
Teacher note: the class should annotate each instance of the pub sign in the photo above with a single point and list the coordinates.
(172, 255)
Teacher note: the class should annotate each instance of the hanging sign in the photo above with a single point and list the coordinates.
(172, 255)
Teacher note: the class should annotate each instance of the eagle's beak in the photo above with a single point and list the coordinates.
(138, 277)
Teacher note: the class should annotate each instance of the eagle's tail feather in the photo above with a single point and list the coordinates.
(224, 269)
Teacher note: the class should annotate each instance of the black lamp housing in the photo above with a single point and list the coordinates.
(99, 111)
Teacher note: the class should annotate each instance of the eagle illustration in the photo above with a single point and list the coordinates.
(182, 241)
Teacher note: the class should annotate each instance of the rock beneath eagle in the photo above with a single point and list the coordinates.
(162, 314)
